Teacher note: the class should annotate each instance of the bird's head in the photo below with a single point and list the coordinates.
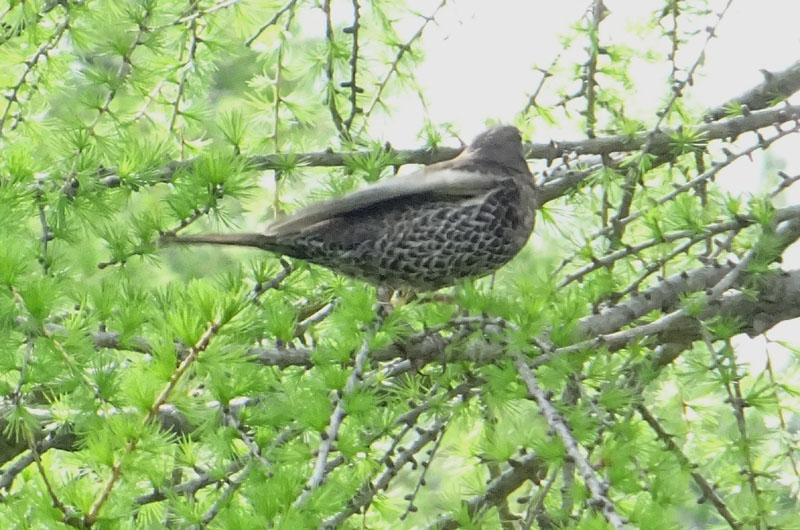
(501, 145)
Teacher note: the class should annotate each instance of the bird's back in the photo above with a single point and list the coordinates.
(421, 242)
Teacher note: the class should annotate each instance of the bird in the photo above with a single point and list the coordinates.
(457, 219)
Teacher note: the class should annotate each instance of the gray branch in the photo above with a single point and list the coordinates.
(776, 86)
(661, 144)
(598, 488)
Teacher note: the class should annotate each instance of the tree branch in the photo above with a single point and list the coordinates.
(661, 144)
(776, 87)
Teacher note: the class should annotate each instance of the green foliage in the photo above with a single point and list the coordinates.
(372, 164)
(145, 386)
(685, 140)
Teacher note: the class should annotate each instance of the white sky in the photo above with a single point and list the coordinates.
(479, 56)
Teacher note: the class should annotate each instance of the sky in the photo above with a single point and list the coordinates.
(479, 55)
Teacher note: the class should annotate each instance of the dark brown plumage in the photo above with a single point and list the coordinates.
(462, 218)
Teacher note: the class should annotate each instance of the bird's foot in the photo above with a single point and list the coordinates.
(389, 298)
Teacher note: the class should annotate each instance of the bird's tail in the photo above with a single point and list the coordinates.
(261, 241)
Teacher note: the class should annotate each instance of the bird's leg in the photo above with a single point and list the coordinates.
(389, 298)
(404, 296)
(385, 294)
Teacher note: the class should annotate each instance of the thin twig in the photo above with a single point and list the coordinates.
(598, 489)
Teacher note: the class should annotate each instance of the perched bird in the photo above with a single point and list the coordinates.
(461, 218)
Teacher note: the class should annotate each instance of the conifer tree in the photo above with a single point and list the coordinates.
(594, 382)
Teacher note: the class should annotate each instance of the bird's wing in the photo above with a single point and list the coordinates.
(438, 183)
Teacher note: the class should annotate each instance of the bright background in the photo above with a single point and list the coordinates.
(479, 67)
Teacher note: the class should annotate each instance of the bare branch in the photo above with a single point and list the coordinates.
(775, 87)
(598, 488)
